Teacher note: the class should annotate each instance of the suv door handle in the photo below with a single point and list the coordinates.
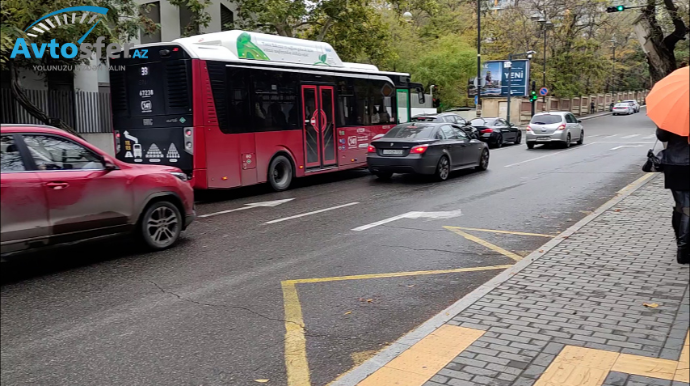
(57, 185)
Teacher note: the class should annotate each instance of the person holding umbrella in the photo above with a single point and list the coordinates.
(668, 105)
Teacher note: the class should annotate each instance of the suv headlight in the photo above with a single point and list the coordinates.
(180, 175)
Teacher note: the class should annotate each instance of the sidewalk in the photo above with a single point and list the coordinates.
(605, 305)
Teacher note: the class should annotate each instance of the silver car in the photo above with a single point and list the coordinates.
(557, 126)
(623, 108)
(634, 104)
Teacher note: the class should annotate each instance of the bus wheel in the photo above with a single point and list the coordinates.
(280, 173)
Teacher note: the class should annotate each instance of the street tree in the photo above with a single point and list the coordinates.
(659, 33)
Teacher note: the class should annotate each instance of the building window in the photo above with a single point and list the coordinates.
(227, 18)
(152, 11)
(187, 27)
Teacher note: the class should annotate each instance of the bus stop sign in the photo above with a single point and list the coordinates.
(543, 91)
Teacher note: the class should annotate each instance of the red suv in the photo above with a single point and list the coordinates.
(59, 189)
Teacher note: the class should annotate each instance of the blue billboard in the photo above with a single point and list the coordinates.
(494, 79)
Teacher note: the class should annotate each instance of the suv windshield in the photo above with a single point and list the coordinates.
(546, 119)
(411, 130)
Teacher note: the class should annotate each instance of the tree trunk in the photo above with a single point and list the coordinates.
(31, 108)
(661, 61)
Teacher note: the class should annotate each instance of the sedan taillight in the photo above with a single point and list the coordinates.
(371, 149)
(487, 131)
(419, 149)
(561, 128)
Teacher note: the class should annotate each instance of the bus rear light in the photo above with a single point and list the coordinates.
(371, 149)
(189, 140)
(118, 146)
(419, 149)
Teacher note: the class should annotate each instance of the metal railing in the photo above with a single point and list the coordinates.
(86, 112)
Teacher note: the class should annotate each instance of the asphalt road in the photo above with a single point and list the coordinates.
(211, 310)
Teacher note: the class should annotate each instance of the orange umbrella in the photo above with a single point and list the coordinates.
(668, 104)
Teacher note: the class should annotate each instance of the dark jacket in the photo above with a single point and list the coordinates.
(677, 151)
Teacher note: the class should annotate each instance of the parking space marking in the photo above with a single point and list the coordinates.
(425, 358)
(505, 232)
(296, 362)
(487, 244)
(310, 213)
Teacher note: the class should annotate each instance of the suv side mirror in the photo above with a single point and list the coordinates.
(579, 121)
(108, 164)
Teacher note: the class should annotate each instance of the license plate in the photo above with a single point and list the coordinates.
(543, 139)
(392, 152)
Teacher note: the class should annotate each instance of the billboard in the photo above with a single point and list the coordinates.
(494, 79)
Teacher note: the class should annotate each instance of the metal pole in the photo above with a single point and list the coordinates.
(613, 73)
(510, 73)
(544, 71)
(479, 57)
(534, 102)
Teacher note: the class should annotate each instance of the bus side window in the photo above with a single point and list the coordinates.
(239, 117)
(274, 101)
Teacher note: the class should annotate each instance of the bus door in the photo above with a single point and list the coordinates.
(318, 113)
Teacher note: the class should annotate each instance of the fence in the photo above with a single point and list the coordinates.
(86, 112)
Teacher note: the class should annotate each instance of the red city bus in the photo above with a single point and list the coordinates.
(235, 108)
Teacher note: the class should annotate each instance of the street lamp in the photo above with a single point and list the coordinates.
(613, 68)
(545, 26)
(407, 16)
(479, 57)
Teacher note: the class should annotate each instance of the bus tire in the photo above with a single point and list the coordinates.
(280, 173)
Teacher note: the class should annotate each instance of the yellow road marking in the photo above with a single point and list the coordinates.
(683, 370)
(487, 244)
(504, 232)
(295, 342)
(577, 366)
(394, 274)
(425, 358)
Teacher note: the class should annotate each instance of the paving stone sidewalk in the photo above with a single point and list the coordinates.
(589, 292)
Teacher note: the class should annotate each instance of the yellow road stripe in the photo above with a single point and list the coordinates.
(683, 370)
(394, 274)
(577, 366)
(295, 341)
(425, 358)
(505, 232)
(487, 244)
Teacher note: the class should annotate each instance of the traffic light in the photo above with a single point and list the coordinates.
(615, 8)
(533, 96)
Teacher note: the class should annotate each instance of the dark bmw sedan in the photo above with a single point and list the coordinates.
(497, 131)
(426, 148)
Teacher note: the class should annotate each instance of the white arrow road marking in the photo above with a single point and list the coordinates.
(249, 206)
(310, 213)
(630, 136)
(431, 215)
(620, 147)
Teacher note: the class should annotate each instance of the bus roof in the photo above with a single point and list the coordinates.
(243, 46)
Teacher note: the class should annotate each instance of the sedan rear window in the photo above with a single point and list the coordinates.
(418, 131)
(546, 119)
(422, 119)
(622, 105)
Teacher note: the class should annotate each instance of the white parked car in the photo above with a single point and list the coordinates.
(634, 104)
(623, 108)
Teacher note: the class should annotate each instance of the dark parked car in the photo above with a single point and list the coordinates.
(442, 117)
(426, 148)
(58, 189)
(496, 131)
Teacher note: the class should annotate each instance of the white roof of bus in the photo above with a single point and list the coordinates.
(243, 46)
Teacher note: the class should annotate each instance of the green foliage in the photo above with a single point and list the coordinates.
(200, 18)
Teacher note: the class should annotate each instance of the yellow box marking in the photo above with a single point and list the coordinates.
(487, 244)
(577, 366)
(683, 370)
(394, 274)
(504, 232)
(296, 363)
(425, 358)
(295, 341)
(645, 366)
